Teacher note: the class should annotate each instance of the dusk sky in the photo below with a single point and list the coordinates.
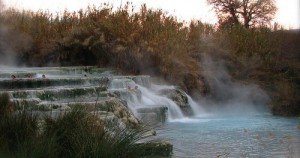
(288, 13)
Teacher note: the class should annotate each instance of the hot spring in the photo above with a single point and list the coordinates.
(235, 129)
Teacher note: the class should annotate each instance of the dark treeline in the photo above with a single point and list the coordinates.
(152, 42)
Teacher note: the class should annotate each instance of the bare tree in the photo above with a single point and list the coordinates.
(246, 12)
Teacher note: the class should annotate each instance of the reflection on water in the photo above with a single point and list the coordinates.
(249, 136)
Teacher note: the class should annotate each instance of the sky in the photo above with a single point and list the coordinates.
(288, 13)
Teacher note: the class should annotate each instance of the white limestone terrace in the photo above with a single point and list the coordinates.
(53, 88)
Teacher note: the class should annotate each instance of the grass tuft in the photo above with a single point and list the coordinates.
(77, 133)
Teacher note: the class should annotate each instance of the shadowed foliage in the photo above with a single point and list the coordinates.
(77, 133)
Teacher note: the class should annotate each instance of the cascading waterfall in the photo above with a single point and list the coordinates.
(138, 96)
(150, 98)
(197, 110)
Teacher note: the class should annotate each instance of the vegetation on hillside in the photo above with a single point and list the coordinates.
(269, 59)
(152, 42)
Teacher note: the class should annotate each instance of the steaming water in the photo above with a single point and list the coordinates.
(248, 136)
(248, 133)
(243, 134)
(204, 134)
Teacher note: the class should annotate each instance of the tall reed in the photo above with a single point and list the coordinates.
(77, 133)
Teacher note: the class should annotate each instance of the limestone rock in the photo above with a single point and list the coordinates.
(117, 107)
(159, 148)
(153, 115)
(179, 97)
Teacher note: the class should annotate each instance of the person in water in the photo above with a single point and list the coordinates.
(44, 76)
(13, 77)
(29, 75)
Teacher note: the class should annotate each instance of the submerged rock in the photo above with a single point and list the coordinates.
(158, 148)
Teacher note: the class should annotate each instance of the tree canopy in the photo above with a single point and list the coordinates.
(245, 12)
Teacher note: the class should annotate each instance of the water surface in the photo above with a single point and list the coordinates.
(230, 136)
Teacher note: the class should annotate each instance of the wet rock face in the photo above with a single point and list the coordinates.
(179, 97)
(53, 94)
(40, 82)
(119, 109)
(160, 148)
(154, 115)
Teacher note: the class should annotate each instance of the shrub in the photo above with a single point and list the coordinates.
(74, 134)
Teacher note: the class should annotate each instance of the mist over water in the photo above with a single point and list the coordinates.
(12, 43)
(228, 96)
(233, 121)
(7, 56)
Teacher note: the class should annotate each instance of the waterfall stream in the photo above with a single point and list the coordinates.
(138, 96)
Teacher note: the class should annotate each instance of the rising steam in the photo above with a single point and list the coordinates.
(11, 44)
(227, 95)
